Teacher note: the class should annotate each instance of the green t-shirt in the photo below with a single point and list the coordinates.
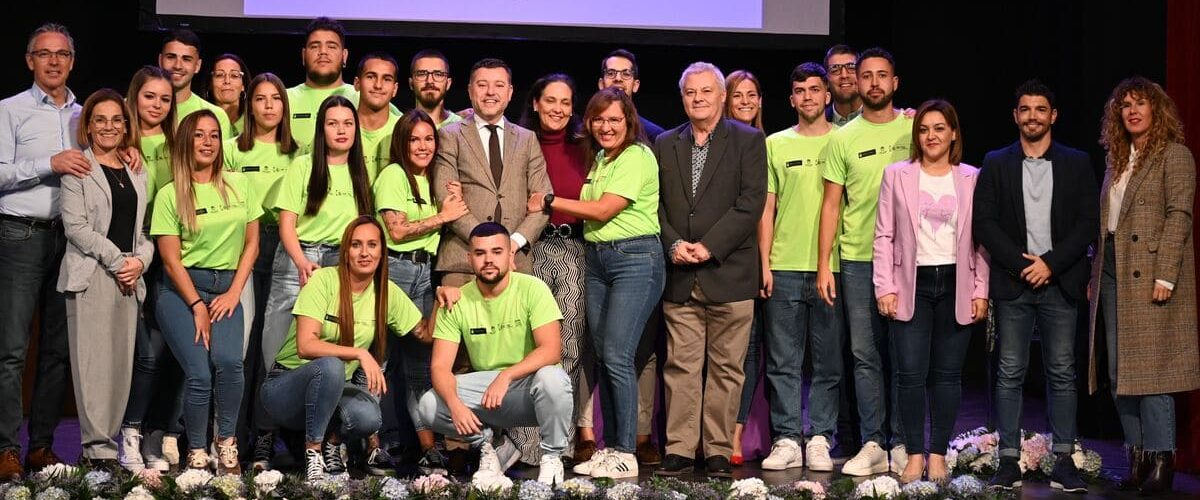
(392, 192)
(264, 165)
(220, 234)
(319, 300)
(451, 117)
(632, 175)
(196, 103)
(156, 159)
(858, 154)
(377, 144)
(794, 177)
(305, 101)
(498, 333)
(338, 209)
(236, 125)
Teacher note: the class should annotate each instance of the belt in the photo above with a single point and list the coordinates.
(563, 231)
(417, 256)
(32, 222)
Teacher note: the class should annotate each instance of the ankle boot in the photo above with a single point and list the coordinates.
(1139, 467)
(1161, 477)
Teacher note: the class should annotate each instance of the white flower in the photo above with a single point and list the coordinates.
(56, 471)
(266, 481)
(97, 477)
(966, 486)
(491, 483)
(393, 489)
(139, 493)
(623, 491)
(429, 484)
(229, 485)
(817, 489)
(920, 489)
(578, 486)
(675, 495)
(750, 488)
(533, 490)
(192, 479)
(880, 487)
(53, 493)
(17, 493)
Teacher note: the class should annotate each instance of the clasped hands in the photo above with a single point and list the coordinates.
(690, 253)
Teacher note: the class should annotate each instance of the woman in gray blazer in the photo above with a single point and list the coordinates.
(101, 272)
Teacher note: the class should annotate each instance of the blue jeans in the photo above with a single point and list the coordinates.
(795, 316)
(754, 357)
(155, 391)
(1149, 420)
(873, 367)
(223, 356)
(408, 365)
(285, 286)
(624, 281)
(1055, 318)
(29, 260)
(311, 395)
(930, 351)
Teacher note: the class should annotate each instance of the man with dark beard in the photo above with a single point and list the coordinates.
(841, 66)
(429, 79)
(853, 171)
(1036, 211)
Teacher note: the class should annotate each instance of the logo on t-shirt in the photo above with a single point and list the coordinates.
(301, 116)
(478, 331)
(251, 168)
(806, 162)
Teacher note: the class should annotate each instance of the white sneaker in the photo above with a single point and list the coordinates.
(314, 465)
(617, 465)
(586, 468)
(551, 470)
(817, 450)
(785, 454)
(170, 450)
(131, 450)
(899, 456)
(496, 460)
(198, 458)
(152, 452)
(870, 460)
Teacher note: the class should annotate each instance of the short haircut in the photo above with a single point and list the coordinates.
(50, 28)
(486, 229)
(808, 70)
(1034, 87)
(839, 49)
(326, 24)
(382, 56)
(947, 110)
(186, 37)
(89, 108)
(428, 54)
(491, 63)
(624, 54)
(702, 67)
(876, 52)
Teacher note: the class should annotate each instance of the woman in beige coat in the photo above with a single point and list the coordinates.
(1143, 278)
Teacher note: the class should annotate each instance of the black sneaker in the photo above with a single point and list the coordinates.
(433, 462)
(333, 455)
(1008, 475)
(676, 465)
(264, 451)
(1065, 476)
(379, 463)
(718, 466)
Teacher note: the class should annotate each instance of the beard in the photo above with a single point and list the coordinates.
(430, 103)
(879, 103)
(1034, 137)
(492, 281)
(323, 79)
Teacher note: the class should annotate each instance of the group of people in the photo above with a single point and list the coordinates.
(312, 260)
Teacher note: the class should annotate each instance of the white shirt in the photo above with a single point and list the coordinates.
(485, 135)
(937, 217)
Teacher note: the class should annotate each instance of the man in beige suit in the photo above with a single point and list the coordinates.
(497, 165)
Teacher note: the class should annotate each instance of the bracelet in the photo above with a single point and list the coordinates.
(193, 304)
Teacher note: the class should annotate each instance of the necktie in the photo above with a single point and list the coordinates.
(494, 159)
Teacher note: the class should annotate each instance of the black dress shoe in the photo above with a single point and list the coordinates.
(676, 465)
(1161, 477)
(718, 466)
(1139, 468)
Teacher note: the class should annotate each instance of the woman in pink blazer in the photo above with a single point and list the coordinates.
(930, 280)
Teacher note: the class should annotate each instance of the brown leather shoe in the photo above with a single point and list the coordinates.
(647, 454)
(10, 465)
(39, 458)
(584, 451)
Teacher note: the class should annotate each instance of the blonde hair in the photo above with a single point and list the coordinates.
(183, 163)
(1165, 126)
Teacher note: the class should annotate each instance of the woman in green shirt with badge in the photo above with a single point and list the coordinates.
(625, 269)
(206, 224)
(152, 128)
(413, 222)
(326, 379)
(319, 194)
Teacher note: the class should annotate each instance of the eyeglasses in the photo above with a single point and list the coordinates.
(835, 69)
(436, 75)
(232, 75)
(598, 122)
(613, 74)
(47, 54)
(104, 121)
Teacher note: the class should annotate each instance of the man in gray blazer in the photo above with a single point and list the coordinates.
(712, 190)
(496, 164)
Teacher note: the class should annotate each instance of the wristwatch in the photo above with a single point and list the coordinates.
(546, 201)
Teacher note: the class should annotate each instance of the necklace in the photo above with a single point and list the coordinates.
(113, 176)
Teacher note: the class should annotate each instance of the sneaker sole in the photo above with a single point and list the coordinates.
(1059, 486)
(673, 473)
(620, 475)
(869, 472)
(791, 465)
(1009, 487)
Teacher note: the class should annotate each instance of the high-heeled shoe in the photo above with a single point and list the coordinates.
(737, 460)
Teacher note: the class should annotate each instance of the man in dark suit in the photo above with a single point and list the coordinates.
(1036, 212)
(712, 190)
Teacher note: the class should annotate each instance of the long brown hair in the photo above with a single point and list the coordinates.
(401, 146)
(1165, 126)
(283, 131)
(947, 110)
(731, 83)
(318, 179)
(140, 77)
(183, 163)
(346, 296)
(599, 102)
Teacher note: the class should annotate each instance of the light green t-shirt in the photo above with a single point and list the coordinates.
(336, 212)
(451, 117)
(392, 192)
(794, 177)
(264, 165)
(377, 144)
(305, 101)
(220, 234)
(196, 103)
(156, 159)
(319, 300)
(858, 154)
(236, 125)
(498, 332)
(632, 175)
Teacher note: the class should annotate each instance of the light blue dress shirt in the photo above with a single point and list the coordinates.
(32, 129)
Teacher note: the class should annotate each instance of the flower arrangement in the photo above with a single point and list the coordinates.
(976, 452)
